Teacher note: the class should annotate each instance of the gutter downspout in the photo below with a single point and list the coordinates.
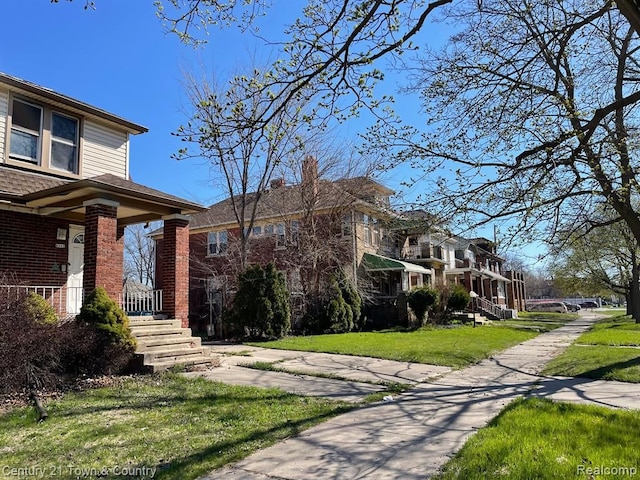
(354, 245)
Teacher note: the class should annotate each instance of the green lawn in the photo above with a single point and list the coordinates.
(618, 331)
(455, 347)
(182, 427)
(602, 353)
(540, 439)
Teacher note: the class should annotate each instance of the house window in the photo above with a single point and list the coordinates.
(280, 235)
(44, 137)
(257, 231)
(346, 226)
(64, 142)
(367, 230)
(269, 229)
(26, 129)
(376, 232)
(217, 243)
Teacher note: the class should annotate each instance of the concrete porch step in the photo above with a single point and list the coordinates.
(154, 323)
(142, 332)
(162, 344)
(172, 354)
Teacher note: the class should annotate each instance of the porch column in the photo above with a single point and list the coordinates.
(175, 268)
(103, 248)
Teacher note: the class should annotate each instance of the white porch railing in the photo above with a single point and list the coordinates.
(488, 306)
(141, 302)
(67, 301)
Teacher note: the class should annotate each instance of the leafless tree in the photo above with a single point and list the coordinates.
(532, 108)
(139, 254)
(243, 155)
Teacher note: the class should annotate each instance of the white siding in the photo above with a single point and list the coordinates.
(105, 151)
(4, 113)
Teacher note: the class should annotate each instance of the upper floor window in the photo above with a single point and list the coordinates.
(43, 137)
(217, 242)
(367, 230)
(294, 231)
(280, 235)
(64, 142)
(26, 128)
(346, 226)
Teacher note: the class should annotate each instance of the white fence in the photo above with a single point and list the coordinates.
(66, 301)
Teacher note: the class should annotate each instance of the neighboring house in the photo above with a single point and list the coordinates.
(66, 198)
(311, 230)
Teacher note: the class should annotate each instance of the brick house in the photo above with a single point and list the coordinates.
(309, 231)
(66, 198)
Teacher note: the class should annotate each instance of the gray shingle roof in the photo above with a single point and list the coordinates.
(17, 183)
(290, 200)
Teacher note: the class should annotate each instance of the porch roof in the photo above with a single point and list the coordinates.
(477, 273)
(378, 263)
(65, 199)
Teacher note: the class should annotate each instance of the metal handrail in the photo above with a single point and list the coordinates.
(488, 306)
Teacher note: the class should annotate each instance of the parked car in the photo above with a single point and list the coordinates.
(572, 307)
(556, 307)
(589, 305)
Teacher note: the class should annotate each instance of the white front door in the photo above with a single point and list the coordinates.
(76, 267)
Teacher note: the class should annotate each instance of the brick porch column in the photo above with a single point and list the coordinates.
(103, 247)
(175, 268)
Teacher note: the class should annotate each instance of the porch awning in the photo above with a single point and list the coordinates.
(378, 263)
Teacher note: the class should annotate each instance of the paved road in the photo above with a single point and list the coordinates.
(414, 435)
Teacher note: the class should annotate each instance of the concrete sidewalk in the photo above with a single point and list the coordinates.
(365, 374)
(414, 435)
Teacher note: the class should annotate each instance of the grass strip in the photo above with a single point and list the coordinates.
(454, 347)
(179, 427)
(537, 438)
(598, 362)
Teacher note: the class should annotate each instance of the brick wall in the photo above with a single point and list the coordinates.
(28, 249)
(103, 250)
(175, 269)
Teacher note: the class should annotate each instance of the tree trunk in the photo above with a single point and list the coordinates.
(634, 292)
(42, 412)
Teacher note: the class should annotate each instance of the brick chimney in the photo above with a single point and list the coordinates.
(310, 174)
(277, 183)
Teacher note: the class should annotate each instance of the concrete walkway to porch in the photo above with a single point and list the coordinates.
(412, 436)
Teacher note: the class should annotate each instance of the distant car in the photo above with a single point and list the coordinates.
(555, 307)
(572, 307)
(589, 305)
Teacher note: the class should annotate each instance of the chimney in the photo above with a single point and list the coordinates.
(310, 174)
(277, 183)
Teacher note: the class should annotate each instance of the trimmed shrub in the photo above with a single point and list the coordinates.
(352, 298)
(336, 310)
(38, 309)
(420, 300)
(458, 298)
(103, 314)
(261, 306)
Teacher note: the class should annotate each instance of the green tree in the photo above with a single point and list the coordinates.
(103, 314)
(420, 300)
(600, 262)
(458, 298)
(261, 305)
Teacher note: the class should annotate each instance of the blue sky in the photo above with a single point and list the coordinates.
(118, 58)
